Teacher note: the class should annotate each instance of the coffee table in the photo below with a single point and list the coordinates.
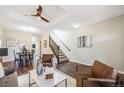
(42, 82)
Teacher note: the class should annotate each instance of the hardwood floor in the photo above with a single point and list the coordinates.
(68, 68)
(20, 71)
(24, 70)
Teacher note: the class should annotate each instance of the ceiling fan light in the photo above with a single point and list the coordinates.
(38, 18)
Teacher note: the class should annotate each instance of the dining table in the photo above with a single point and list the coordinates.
(23, 55)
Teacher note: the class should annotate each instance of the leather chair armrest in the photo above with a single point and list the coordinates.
(98, 80)
(102, 80)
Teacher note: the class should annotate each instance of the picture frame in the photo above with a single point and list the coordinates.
(84, 41)
(11, 41)
(45, 43)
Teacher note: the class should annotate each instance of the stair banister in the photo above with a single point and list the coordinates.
(62, 42)
(56, 50)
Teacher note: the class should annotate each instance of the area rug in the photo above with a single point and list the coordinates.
(23, 81)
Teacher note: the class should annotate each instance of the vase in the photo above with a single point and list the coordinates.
(39, 69)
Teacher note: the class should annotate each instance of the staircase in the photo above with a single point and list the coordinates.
(61, 57)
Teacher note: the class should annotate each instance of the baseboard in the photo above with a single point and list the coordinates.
(80, 62)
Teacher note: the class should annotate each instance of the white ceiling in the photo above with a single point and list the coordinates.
(61, 17)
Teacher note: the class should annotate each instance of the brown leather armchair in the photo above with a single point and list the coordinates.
(47, 59)
(100, 75)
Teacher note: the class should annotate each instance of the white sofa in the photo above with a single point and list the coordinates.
(1, 71)
(9, 80)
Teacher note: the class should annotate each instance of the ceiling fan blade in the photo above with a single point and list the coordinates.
(39, 14)
(44, 19)
(34, 15)
(40, 9)
(40, 6)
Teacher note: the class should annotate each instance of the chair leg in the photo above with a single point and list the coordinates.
(30, 62)
(14, 62)
(51, 64)
(76, 68)
(20, 64)
(82, 82)
(26, 63)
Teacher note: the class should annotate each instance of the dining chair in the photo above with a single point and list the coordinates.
(26, 58)
(16, 58)
(32, 56)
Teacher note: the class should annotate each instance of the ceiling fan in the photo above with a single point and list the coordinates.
(39, 14)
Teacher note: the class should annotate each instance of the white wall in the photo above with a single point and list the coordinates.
(107, 39)
(20, 37)
(47, 50)
(26, 38)
(62, 35)
(2, 32)
(0, 37)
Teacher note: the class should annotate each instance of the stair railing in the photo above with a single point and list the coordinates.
(62, 42)
(54, 47)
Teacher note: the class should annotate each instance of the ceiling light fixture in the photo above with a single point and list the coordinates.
(76, 25)
(38, 18)
(56, 30)
(27, 29)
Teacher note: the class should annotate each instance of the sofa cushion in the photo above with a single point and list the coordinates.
(101, 70)
(9, 71)
(98, 69)
(107, 72)
(8, 67)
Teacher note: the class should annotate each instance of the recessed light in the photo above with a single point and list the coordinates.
(76, 25)
(27, 29)
(56, 30)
